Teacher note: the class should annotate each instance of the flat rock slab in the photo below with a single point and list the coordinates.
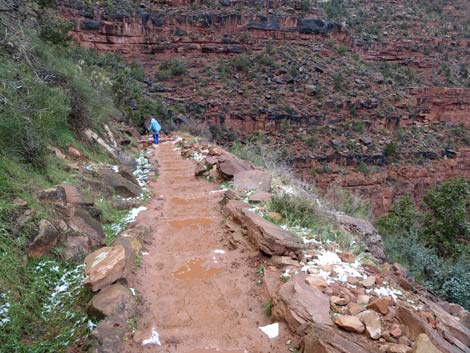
(299, 304)
(257, 180)
(229, 165)
(104, 266)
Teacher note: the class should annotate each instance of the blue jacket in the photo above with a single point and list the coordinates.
(154, 126)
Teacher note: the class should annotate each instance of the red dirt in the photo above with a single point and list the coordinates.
(199, 301)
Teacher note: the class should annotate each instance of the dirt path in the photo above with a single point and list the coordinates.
(199, 295)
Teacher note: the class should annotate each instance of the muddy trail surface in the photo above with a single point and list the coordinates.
(199, 293)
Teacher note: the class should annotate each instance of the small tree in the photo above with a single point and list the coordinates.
(447, 224)
(402, 220)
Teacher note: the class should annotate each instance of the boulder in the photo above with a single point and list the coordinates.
(80, 220)
(350, 323)
(299, 304)
(104, 266)
(367, 232)
(268, 237)
(109, 335)
(347, 257)
(200, 169)
(380, 305)
(76, 248)
(47, 238)
(283, 261)
(52, 196)
(230, 165)
(120, 184)
(257, 180)
(74, 153)
(369, 282)
(260, 196)
(372, 322)
(316, 282)
(115, 299)
(354, 309)
(424, 345)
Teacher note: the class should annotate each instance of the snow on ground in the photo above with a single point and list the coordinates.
(272, 331)
(65, 285)
(154, 339)
(4, 308)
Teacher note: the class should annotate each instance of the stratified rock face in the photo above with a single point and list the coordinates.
(104, 266)
(256, 180)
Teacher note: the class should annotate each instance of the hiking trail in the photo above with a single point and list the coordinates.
(198, 293)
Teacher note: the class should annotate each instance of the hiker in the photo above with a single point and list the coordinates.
(155, 129)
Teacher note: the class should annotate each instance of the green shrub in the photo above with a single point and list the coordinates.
(433, 243)
(241, 63)
(363, 168)
(311, 141)
(391, 150)
(173, 67)
(296, 210)
(54, 29)
(447, 223)
(402, 219)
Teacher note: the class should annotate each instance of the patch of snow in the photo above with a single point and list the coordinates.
(4, 308)
(272, 331)
(133, 291)
(154, 339)
(198, 156)
(142, 170)
(328, 258)
(115, 168)
(219, 251)
(216, 191)
(131, 217)
(144, 253)
(91, 325)
(387, 292)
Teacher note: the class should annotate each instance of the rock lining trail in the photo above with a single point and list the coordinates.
(198, 292)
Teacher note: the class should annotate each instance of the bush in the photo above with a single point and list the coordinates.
(433, 243)
(402, 219)
(391, 149)
(296, 210)
(241, 63)
(446, 224)
(173, 67)
(54, 30)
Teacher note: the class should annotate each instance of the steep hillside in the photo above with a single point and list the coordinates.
(369, 96)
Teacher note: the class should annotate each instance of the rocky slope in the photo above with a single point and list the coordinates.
(330, 87)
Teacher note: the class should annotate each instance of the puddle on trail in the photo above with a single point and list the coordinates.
(216, 350)
(194, 270)
(193, 223)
